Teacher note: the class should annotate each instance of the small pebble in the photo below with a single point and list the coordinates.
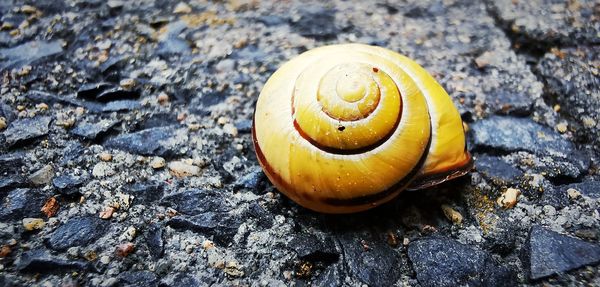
(2, 123)
(182, 8)
(452, 214)
(124, 249)
(509, 198)
(573, 193)
(127, 83)
(230, 129)
(157, 162)
(42, 176)
(549, 210)
(107, 213)
(33, 223)
(104, 259)
(42, 106)
(162, 98)
(183, 169)
(561, 127)
(50, 207)
(105, 156)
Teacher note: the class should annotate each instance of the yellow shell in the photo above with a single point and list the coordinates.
(344, 128)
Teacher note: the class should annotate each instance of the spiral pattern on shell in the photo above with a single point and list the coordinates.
(344, 128)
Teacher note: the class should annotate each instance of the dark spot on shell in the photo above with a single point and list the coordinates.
(375, 70)
(341, 128)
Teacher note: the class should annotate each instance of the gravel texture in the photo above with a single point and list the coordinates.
(126, 155)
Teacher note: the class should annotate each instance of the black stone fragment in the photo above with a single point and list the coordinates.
(264, 217)
(23, 130)
(11, 161)
(91, 131)
(509, 134)
(117, 93)
(43, 97)
(138, 279)
(497, 169)
(79, 231)
(21, 203)
(556, 197)
(196, 201)
(220, 225)
(252, 180)
(154, 141)
(7, 112)
(375, 265)
(316, 22)
(72, 153)
(201, 105)
(333, 275)
(154, 241)
(146, 192)
(11, 182)
(310, 248)
(547, 253)
(122, 105)
(91, 91)
(105, 92)
(28, 53)
(244, 126)
(68, 184)
(446, 262)
(40, 261)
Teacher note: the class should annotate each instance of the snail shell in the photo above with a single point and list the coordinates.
(344, 128)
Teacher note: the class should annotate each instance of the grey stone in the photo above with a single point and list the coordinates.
(11, 182)
(221, 226)
(251, 180)
(42, 176)
(92, 90)
(145, 192)
(309, 247)
(68, 184)
(69, 100)
(72, 153)
(20, 203)
(375, 265)
(40, 261)
(573, 81)
(185, 280)
(316, 22)
(549, 22)
(28, 53)
(105, 92)
(121, 105)
(510, 134)
(446, 262)
(154, 241)
(556, 197)
(79, 231)
(138, 278)
(497, 169)
(11, 161)
(160, 141)
(91, 131)
(23, 130)
(547, 253)
(196, 201)
(244, 126)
